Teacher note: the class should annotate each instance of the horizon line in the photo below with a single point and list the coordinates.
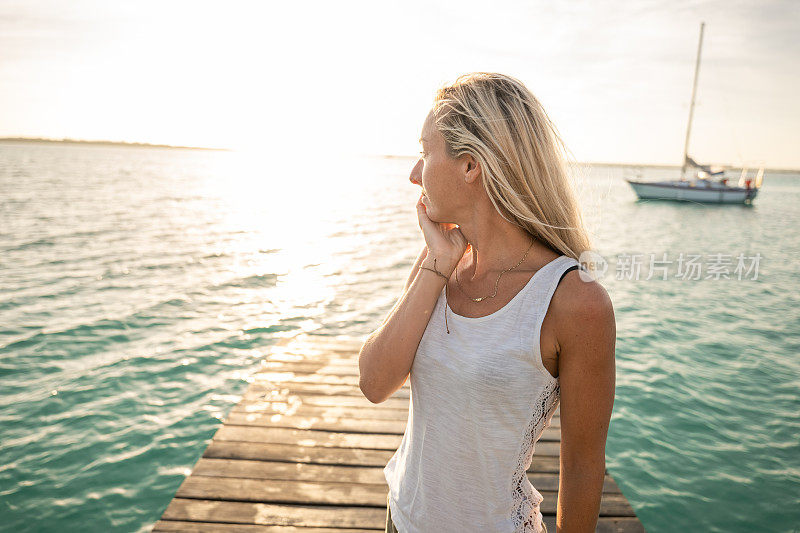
(69, 140)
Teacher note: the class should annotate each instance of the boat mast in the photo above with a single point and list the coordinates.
(691, 107)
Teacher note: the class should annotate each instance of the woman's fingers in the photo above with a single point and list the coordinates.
(422, 214)
(443, 240)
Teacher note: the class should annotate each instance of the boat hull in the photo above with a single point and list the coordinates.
(683, 191)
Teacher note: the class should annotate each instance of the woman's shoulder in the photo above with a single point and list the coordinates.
(583, 323)
(577, 298)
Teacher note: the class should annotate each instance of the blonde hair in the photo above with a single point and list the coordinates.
(497, 120)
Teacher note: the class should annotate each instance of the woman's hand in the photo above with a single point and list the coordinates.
(445, 241)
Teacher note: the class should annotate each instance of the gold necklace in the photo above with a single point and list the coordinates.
(498, 278)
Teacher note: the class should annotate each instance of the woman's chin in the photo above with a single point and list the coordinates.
(441, 220)
(431, 212)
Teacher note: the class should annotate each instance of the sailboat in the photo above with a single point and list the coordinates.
(708, 184)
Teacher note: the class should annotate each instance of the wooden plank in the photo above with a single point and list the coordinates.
(311, 343)
(277, 389)
(287, 471)
(297, 454)
(247, 469)
(374, 413)
(307, 437)
(339, 493)
(322, 359)
(281, 407)
(329, 401)
(300, 405)
(321, 389)
(286, 491)
(341, 424)
(309, 367)
(331, 439)
(330, 456)
(275, 514)
(329, 423)
(315, 516)
(207, 527)
(308, 341)
(290, 377)
(604, 525)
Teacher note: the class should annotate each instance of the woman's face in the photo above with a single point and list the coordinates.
(436, 173)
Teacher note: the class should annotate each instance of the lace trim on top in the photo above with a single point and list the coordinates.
(525, 501)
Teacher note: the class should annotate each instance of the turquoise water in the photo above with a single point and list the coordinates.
(140, 287)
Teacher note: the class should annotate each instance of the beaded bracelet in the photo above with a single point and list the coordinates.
(446, 279)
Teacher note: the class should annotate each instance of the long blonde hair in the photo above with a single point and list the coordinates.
(497, 120)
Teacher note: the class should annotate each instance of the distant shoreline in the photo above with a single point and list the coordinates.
(643, 165)
(40, 140)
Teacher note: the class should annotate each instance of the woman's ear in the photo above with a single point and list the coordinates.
(473, 168)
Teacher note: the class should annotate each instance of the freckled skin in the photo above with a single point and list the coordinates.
(438, 175)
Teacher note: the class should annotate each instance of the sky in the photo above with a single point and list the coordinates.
(321, 77)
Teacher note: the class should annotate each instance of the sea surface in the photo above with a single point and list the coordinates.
(140, 287)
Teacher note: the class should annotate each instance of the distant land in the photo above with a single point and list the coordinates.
(732, 168)
(43, 140)
(102, 143)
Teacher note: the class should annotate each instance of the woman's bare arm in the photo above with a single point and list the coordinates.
(385, 360)
(586, 366)
(387, 355)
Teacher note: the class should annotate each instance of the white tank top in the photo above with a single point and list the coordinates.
(480, 399)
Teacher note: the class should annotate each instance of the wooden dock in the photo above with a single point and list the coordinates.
(304, 452)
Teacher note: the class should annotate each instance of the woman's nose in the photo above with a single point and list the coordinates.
(416, 173)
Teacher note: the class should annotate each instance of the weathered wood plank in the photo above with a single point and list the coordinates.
(340, 424)
(330, 456)
(281, 407)
(307, 437)
(604, 525)
(322, 389)
(299, 409)
(328, 423)
(328, 401)
(285, 491)
(340, 493)
(291, 377)
(337, 359)
(212, 467)
(311, 437)
(207, 527)
(321, 516)
(312, 343)
(275, 388)
(275, 514)
(309, 367)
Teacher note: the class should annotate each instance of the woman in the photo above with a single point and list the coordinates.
(496, 327)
